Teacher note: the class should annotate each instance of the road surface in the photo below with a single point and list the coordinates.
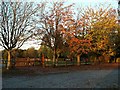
(74, 79)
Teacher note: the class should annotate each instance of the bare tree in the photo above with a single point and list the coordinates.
(53, 22)
(16, 24)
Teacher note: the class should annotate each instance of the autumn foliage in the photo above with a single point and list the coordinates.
(61, 28)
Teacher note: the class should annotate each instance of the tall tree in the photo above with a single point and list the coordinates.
(76, 35)
(101, 21)
(16, 24)
(114, 41)
(52, 23)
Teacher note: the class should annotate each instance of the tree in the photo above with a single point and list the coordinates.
(101, 22)
(46, 51)
(4, 54)
(31, 52)
(52, 23)
(114, 42)
(76, 35)
(16, 25)
(25, 54)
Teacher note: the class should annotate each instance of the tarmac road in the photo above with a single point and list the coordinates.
(74, 79)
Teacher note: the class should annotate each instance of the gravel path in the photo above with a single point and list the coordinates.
(74, 79)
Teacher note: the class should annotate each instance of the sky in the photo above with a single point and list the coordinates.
(83, 3)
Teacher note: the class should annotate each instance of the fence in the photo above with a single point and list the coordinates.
(37, 61)
(23, 62)
(48, 62)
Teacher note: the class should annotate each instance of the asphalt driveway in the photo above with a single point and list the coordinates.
(74, 79)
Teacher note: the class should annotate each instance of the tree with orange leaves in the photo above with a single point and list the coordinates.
(101, 22)
(76, 35)
(52, 23)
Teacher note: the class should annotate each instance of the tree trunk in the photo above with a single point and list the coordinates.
(54, 58)
(78, 59)
(56, 62)
(9, 60)
(43, 61)
(95, 60)
(57, 56)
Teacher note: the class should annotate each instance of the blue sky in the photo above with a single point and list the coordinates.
(92, 2)
(78, 3)
(85, 3)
